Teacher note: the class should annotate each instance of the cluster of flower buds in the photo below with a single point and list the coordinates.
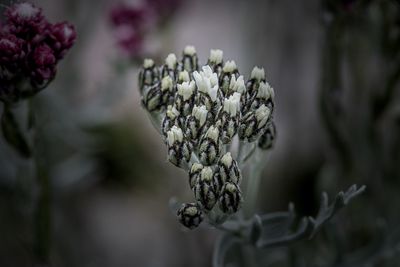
(201, 110)
(30, 49)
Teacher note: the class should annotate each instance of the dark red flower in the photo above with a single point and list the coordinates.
(128, 15)
(129, 40)
(25, 20)
(62, 38)
(43, 65)
(11, 49)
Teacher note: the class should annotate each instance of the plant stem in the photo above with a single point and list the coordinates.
(255, 170)
(42, 213)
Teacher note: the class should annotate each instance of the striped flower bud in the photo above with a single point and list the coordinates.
(267, 139)
(172, 117)
(190, 215)
(194, 174)
(228, 70)
(152, 97)
(228, 117)
(195, 122)
(230, 198)
(204, 189)
(253, 124)
(264, 94)
(148, 75)
(170, 67)
(236, 86)
(215, 61)
(210, 146)
(167, 91)
(179, 150)
(184, 100)
(183, 76)
(257, 76)
(190, 60)
(227, 170)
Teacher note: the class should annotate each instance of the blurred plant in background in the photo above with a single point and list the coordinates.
(132, 21)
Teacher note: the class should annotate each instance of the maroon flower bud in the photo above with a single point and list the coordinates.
(25, 20)
(62, 38)
(128, 15)
(44, 65)
(129, 39)
(11, 51)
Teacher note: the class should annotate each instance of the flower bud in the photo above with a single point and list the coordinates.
(190, 215)
(195, 122)
(264, 94)
(179, 150)
(253, 124)
(230, 198)
(227, 170)
(215, 61)
(170, 67)
(183, 76)
(194, 174)
(210, 146)
(228, 117)
(185, 97)
(152, 97)
(167, 91)
(190, 60)
(171, 118)
(204, 189)
(207, 87)
(236, 86)
(148, 75)
(228, 70)
(267, 139)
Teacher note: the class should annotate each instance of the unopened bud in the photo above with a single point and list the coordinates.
(267, 139)
(179, 150)
(194, 174)
(253, 123)
(190, 60)
(227, 170)
(225, 77)
(210, 146)
(230, 198)
(195, 122)
(204, 189)
(190, 215)
(228, 117)
(148, 75)
(185, 97)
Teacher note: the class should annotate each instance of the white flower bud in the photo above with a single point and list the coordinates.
(253, 124)
(194, 174)
(200, 113)
(174, 135)
(152, 97)
(167, 84)
(186, 89)
(189, 50)
(179, 150)
(230, 198)
(232, 104)
(258, 74)
(237, 85)
(216, 56)
(171, 118)
(190, 215)
(183, 76)
(171, 61)
(264, 91)
(230, 66)
(195, 123)
(148, 63)
(210, 146)
(204, 189)
(227, 170)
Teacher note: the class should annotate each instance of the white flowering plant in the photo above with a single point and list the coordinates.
(219, 128)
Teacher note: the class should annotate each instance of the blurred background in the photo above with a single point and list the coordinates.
(111, 182)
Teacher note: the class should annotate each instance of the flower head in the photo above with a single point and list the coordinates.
(206, 109)
(30, 49)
